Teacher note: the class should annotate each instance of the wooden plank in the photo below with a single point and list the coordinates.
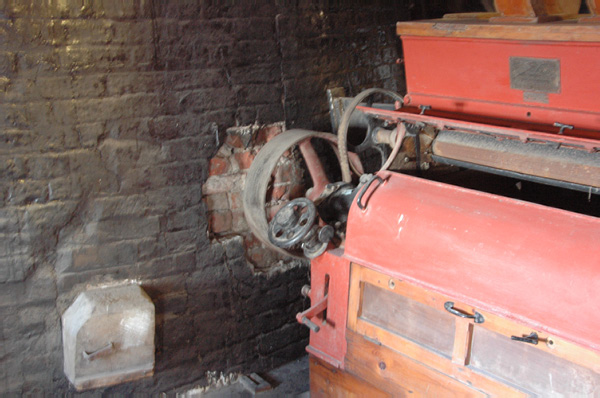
(393, 372)
(537, 8)
(474, 29)
(326, 381)
(463, 338)
(355, 295)
(471, 15)
(515, 7)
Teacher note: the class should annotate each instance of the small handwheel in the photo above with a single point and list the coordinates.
(292, 223)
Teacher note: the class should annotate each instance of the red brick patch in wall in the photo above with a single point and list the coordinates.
(266, 134)
(244, 159)
(220, 221)
(218, 166)
(223, 190)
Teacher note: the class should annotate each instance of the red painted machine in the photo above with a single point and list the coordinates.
(421, 286)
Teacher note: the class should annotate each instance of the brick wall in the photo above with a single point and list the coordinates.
(112, 114)
(223, 190)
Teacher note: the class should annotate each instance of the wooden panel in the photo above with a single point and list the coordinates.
(530, 369)
(582, 363)
(355, 295)
(393, 372)
(555, 31)
(417, 322)
(326, 381)
(515, 7)
(453, 369)
(361, 274)
(548, 343)
(555, 345)
(456, 370)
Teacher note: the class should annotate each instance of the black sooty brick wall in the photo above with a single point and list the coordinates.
(110, 114)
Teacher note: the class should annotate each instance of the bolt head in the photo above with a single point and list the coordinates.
(326, 233)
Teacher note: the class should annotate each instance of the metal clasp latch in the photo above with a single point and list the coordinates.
(562, 127)
(531, 339)
(424, 108)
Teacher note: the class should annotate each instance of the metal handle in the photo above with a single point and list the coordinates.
(531, 339)
(311, 325)
(364, 189)
(304, 317)
(477, 317)
(92, 355)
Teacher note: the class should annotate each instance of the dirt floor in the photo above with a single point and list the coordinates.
(289, 380)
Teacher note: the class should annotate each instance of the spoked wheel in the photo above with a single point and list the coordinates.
(369, 139)
(259, 175)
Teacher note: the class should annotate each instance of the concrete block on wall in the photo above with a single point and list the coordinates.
(108, 337)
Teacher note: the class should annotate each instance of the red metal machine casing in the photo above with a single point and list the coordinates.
(540, 73)
(492, 252)
(330, 276)
(481, 249)
(485, 250)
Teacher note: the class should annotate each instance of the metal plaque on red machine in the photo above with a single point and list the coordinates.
(539, 73)
(537, 265)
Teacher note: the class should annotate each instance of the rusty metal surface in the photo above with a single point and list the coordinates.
(588, 144)
(257, 181)
(537, 159)
(315, 169)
